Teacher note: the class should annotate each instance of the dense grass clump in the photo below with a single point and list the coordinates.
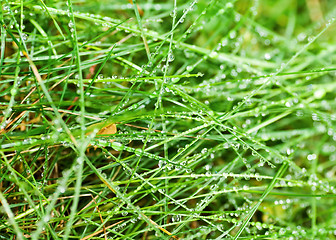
(168, 119)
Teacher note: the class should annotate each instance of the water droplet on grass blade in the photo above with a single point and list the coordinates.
(117, 146)
(214, 55)
(171, 57)
(319, 93)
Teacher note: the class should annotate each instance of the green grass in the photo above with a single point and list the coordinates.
(225, 117)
